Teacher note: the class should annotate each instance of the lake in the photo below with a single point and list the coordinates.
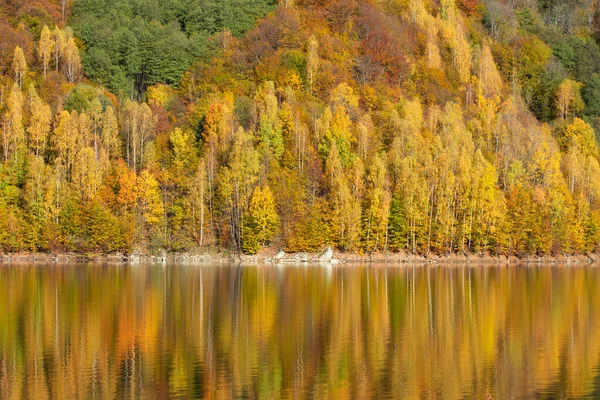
(409, 331)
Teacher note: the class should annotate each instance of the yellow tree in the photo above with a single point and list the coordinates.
(269, 131)
(489, 77)
(65, 139)
(129, 193)
(13, 133)
(376, 207)
(343, 95)
(365, 137)
(412, 114)
(46, 48)
(111, 143)
(217, 124)
(579, 133)
(345, 207)
(432, 51)
(580, 158)
(336, 128)
(417, 10)
(312, 61)
(260, 220)
(151, 205)
(183, 153)
(34, 196)
(236, 181)
(72, 60)
(146, 131)
(95, 116)
(138, 124)
(568, 98)
(39, 123)
(453, 32)
(198, 193)
(286, 122)
(484, 216)
(84, 130)
(60, 44)
(86, 174)
(19, 66)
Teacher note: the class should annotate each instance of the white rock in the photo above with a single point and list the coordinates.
(326, 255)
(279, 256)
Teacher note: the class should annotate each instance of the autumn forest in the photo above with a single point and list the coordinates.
(417, 126)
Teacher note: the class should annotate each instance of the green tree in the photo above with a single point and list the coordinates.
(398, 225)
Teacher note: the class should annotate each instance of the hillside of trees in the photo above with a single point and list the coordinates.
(392, 125)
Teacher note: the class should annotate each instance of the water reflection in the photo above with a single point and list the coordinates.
(295, 332)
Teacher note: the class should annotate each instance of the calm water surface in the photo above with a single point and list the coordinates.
(90, 331)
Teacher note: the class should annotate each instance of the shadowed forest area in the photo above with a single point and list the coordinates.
(395, 125)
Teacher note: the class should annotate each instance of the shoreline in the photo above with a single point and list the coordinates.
(327, 256)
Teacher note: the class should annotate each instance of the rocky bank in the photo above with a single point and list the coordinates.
(271, 256)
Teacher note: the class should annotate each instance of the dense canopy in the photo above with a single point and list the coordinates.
(399, 125)
(132, 44)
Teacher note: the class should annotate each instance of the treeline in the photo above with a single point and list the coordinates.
(368, 127)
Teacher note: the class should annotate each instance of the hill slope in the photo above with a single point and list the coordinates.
(395, 126)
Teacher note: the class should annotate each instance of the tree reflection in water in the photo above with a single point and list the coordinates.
(413, 331)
